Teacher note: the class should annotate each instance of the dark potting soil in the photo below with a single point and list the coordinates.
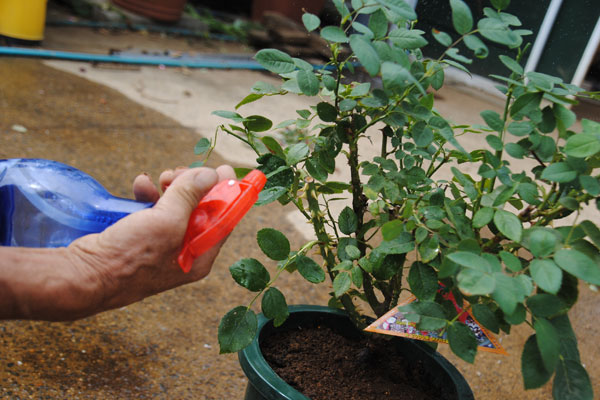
(324, 365)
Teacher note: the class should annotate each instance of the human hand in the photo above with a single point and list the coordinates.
(137, 256)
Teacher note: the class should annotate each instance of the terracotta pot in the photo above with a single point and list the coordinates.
(289, 8)
(160, 10)
(265, 384)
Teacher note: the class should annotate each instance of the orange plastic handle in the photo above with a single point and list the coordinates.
(217, 214)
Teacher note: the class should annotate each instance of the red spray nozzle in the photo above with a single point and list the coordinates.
(218, 213)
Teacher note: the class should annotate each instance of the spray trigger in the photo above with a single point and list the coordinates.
(218, 213)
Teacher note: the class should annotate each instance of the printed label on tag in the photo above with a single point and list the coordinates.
(396, 323)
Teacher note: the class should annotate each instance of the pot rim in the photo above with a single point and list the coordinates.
(272, 386)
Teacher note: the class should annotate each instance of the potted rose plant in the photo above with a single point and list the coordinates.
(508, 242)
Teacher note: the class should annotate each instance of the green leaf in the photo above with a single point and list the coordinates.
(592, 231)
(407, 39)
(352, 252)
(431, 314)
(529, 193)
(347, 105)
(525, 103)
(511, 64)
(252, 97)
(310, 21)
(559, 172)
(511, 261)
(568, 340)
(507, 292)
(542, 242)
(392, 229)
(546, 275)
(547, 342)
(545, 305)
(495, 142)
(296, 153)
(482, 217)
(347, 221)
(564, 118)
(274, 306)
(202, 146)
(590, 184)
(275, 61)
(237, 330)
(534, 372)
(479, 48)
(400, 245)
(457, 65)
(462, 20)
(578, 264)
(429, 249)
(308, 82)
(257, 123)
(345, 265)
(273, 243)
(273, 146)
(263, 88)
(572, 382)
(315, 170)
(326, 112)
(520, 128)
(422, 134)
(357, 276)
(486, 317)
(341, 283)
(492, 118)
(365, 53)
(378, 24)
(361, 89)
(442, 37)
(462, 341)
(329, 82)
(386, 268)
(454, 53)
(229, 115)
(500, 4)
(270, 195)
(497, 31)
(423, 281)
(474, 282)
(251, 274)
(309, 269)
(582, 145)
(395, 77)
(334, 34)
(508, 224)
(518, 317)
(470, 260)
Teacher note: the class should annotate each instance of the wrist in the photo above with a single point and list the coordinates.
(43, 284)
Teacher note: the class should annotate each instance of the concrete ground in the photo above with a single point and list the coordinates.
(116, 122)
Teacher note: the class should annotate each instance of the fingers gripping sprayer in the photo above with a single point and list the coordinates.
(45, 203)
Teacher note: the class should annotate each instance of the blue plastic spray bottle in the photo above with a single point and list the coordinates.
(45, 203)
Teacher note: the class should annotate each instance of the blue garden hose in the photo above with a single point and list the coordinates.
(203, 61)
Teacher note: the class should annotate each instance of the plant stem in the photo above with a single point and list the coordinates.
(324, 242)
(280, 269)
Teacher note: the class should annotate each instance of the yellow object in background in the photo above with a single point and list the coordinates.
(23, 19)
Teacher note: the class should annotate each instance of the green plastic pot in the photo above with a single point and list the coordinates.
(265, 384)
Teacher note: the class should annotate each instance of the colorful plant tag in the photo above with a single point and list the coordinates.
(395, 323)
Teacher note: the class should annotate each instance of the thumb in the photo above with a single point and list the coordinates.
(183, 195)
